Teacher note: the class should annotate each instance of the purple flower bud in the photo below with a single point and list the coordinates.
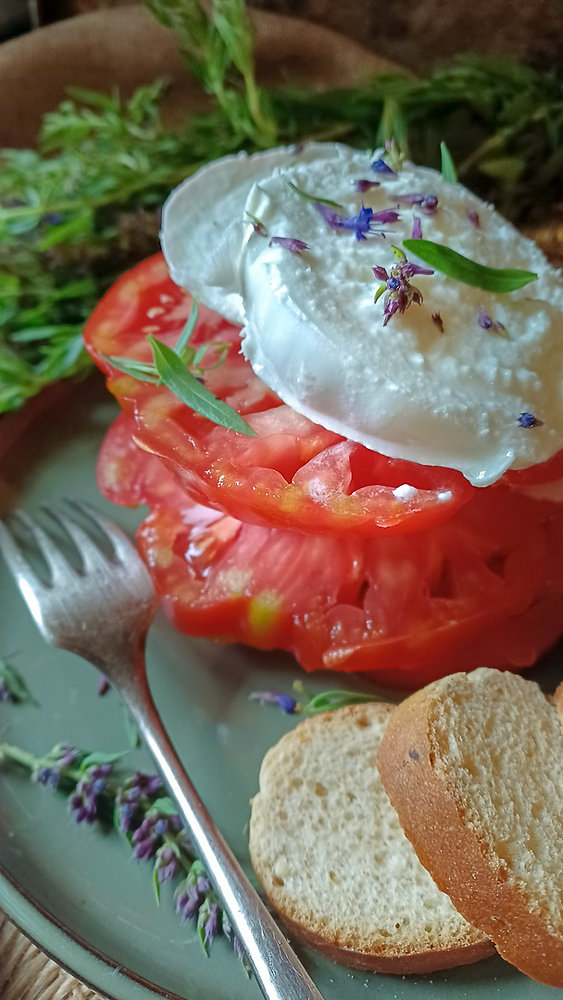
(484, 320)
(364, 185)
(160, 827)
(49, 776)
(380, 273)
(409, 269)
(283, 701)
(145, 849)
(416, 228)
(211, 925)
(474, 219)
(203, 884)
(289, 243)
(380, 167)
(103, 686)
(187, 902)
(529, 420)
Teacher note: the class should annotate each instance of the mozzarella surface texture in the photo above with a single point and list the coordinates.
(311, 330)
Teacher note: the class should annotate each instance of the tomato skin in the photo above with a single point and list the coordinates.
(407, 609)
(293, 474)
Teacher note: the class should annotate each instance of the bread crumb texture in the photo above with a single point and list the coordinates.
(328, 849)
(497, 742)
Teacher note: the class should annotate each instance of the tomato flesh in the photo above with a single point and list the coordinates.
(294, 474)
(477, 589)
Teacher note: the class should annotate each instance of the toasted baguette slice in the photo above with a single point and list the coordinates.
(474, 767)
(333, 861)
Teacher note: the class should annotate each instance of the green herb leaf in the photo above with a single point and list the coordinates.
(143, 372)
(312, 197)
(190, 391)
(14, 685)
(100, 757)
(460, 268)
(165, 806)
(329, 700)
(449, 172)
(182, 342)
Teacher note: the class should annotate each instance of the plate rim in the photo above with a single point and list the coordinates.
(12, 893)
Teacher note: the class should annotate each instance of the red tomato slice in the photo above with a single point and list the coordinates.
(294, 473)
(484, 588)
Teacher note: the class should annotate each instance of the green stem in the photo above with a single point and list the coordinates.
(17, 756)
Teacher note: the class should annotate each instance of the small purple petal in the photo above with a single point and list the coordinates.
(145, 849)
(167, 872)
(103, 686)
(474, 219)
(160, 827)
(529, 420)
(380, 167)
(364, 185)
(484, 320)
(380, 273)
(288, 243)
(387, 215)
(416, 228)
(283, 701)
(211, 925)
(409, 269)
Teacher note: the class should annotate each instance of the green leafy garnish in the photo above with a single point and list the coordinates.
(312, 197)
(179, 379)
(449, 172)
(180, 347)
(455, 265)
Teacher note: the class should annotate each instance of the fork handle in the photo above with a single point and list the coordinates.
(277, 970)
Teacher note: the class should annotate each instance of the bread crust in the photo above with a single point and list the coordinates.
(377, 954)
(452, 852)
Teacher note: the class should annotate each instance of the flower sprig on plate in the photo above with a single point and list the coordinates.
(138, 807)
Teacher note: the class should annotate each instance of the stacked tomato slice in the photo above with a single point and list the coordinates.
(302, 540)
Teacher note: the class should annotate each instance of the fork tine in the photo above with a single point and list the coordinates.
(16, 561)
(60, 570)
(123, 548)
(92, 557)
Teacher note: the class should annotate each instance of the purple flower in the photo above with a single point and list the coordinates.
(529, 420)
(381, 167)
(211, 925)
(84, 800)
(416, 228)
(289, 243)
(362, 224)
(52, 218)
(396, 286)
(428, 203)
(487, 323)
(188, 900)
(166, 864)
(283, 701)
(363, 185)
(49, 776)
(474, 219)
(484, 320)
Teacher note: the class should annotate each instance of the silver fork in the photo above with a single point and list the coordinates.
(102, 612)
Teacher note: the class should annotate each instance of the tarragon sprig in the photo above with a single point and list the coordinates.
(170, 367)
(137, 806)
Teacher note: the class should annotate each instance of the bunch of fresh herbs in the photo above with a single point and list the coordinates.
(84, 205)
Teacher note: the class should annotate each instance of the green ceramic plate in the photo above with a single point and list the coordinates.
(75, 891)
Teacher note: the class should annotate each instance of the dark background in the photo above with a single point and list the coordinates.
(417, 33)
